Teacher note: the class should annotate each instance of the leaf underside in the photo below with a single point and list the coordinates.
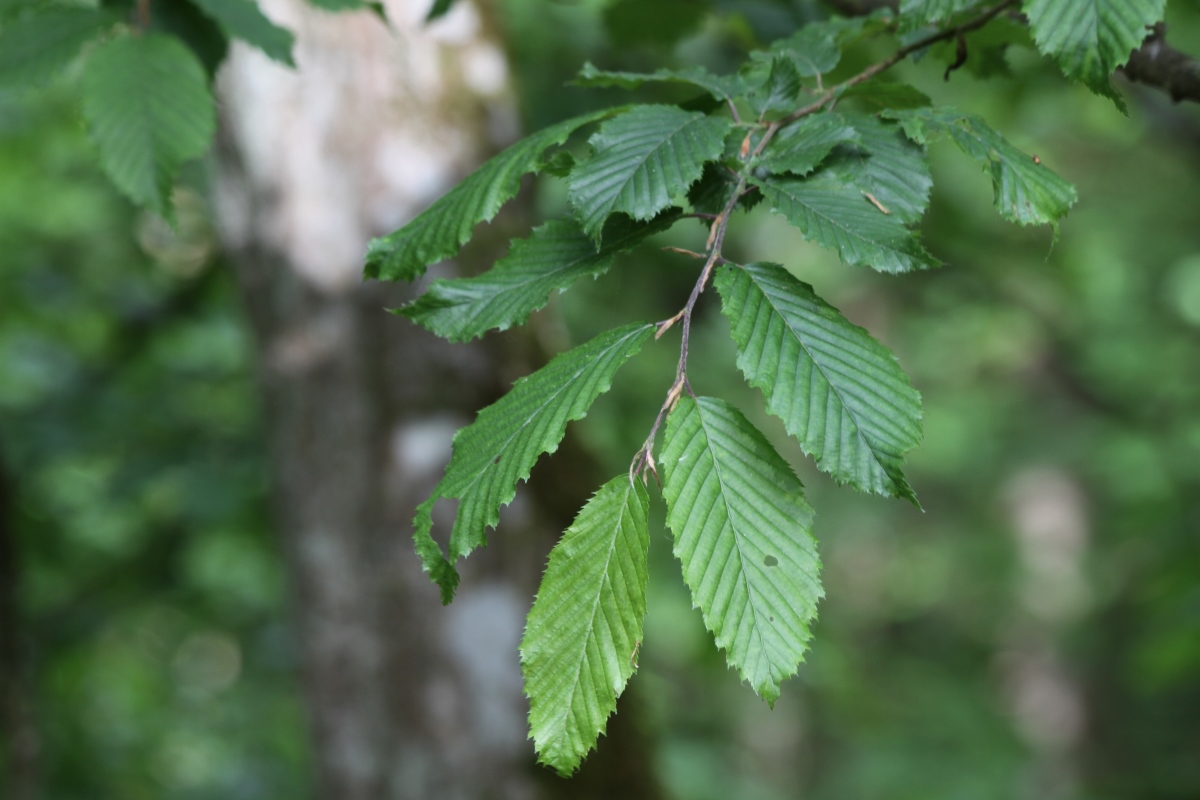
(497, 450)
(553, 257)
(743, 534)
(581, 639)
(642, 160)
(841, 393)
(148, 106)
(438, 232)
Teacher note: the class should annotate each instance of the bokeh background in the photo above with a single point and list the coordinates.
(1033, 632)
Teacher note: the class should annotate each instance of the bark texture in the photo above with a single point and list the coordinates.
(406, 699)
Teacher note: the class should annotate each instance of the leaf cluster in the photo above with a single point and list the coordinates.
(847, 166)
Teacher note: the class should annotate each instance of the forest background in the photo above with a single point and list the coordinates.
(1035, 632)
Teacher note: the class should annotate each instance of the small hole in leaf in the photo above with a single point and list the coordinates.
(771, 618)
(496, 460)
(771, 561)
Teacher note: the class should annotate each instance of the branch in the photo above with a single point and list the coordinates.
(1158, 64)
(1154, 64)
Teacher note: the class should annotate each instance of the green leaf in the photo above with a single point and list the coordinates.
(501, 446)
(553, 257)
(36, 47)
(722, 87)
(641, 161)
(885, 163)
(837, 215)
(780, 92)
(147, 103)
(880, 94)
(1089, 39)
(837, 390)
(440, 9)
(812, 50)
(917, 13)
(743, 533)
(242, 19)
(715, 189)
(438, 232)
(1025, 191)
(800, 148)
(581, 640)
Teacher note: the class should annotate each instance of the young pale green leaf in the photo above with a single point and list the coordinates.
(800, 148)
(837, 390)
(1089, 39)
(1025, 191)
(722, 87)
(440, 230)
(743, 533)
(780, 92)
(553, 257)
(641, 160)
(242, 19)
(497, 450)
(838, 215)
(147, 102)
(36, 47)
(885, 163)
(917, 13)
(581, 640)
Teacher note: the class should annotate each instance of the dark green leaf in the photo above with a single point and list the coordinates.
(642, 160)
(800, 148)
(1025, 191)
(838, 215)
(885, 163)
(722, 87)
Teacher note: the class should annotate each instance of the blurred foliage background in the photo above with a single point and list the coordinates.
(1034, 632)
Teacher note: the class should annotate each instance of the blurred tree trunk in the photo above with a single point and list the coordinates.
(406, 699)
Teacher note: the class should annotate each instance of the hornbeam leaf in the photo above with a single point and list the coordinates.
(147, 103)
(36, 47)
(743, 533)
(1089, 39)
(780, 91)
(1025, 191)
(553, 257)
(581, 640)
(917, 13)
(243, 20)
(501, 446)
(884, 162)
(800, 148)
(838, 215)
(641, 160)
(440, 230)
(722, 87)
(879, 94)
(837, 390)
